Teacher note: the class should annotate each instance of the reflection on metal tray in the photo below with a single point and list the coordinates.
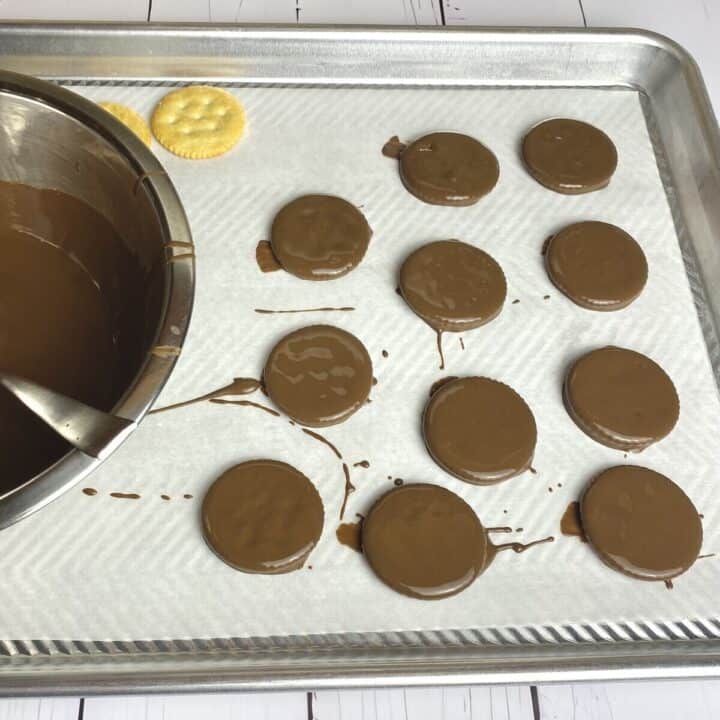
(688, 152)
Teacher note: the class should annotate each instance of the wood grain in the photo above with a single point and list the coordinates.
(452, 703)
(128, 10)
(248, 706)
(559, 13)
(688, 699)
(39, 709)
(390, 12)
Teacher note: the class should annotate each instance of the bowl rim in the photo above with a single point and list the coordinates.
(178, 293)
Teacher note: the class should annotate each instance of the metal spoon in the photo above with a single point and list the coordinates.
(94, 432)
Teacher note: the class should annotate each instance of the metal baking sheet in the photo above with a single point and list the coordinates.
(686, 144)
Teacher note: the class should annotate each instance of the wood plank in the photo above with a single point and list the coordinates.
(380, 12)
(128, 10)
(514, 12)
(423, 703)
(259, 11)
(452, 703)
(356, 705)
(245, 706)
(386, 704)
(39, 709)
(696, 699)
(512, 702)
(391, 12)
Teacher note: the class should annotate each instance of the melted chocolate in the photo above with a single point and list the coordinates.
(363, 464)
(516, 547)
(424, 541)
(452, 286)
(262, 516)
(439, 383)
(438, 340)
(246, 403)
(267, 262)
(265, 311)
(323, 440)
(641, 523)
(239, 386)
(569, 156)
(90, 491)
(446, 168)
(70, 298)
(319, 237)
(349, 534)
(621, 398)
(348, 489)
(125, 496)
(318, 375)
(597, 265)
(393, 148)
(571, 522)
(479, 430)
(165, 497)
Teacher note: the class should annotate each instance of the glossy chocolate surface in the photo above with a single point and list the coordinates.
(446, 168)
(641, 523)
(479, 430)
(569, 156)
(319, 237)
(453, 286)
(318, 375)
(621, 398)
(597, 265)
(262, 516)
(424, 541)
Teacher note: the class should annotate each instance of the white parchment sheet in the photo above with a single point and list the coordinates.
(102, 568)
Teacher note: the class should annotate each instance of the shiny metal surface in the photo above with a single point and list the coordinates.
(687, 143)
(91, 431)
(52, 138)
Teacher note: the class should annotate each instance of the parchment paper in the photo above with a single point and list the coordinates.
(103, 568)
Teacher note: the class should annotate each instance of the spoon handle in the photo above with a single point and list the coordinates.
(92, 431)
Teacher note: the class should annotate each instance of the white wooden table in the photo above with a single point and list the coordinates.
(693, 23)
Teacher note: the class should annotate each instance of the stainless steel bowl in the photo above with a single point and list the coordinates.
(52, 138)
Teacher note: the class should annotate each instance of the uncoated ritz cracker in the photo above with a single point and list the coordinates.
(128, 117)
(198, 122)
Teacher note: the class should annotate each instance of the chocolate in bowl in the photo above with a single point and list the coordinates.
(92, 303)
